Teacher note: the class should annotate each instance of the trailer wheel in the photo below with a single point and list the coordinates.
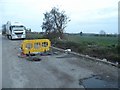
(10, 37)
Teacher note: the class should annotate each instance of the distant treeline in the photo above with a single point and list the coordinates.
(91, 34)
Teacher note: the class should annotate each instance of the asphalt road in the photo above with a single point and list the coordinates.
(54, 71)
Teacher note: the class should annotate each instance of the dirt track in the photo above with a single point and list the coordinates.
(54, 71)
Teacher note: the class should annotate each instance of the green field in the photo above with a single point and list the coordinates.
(94, 40)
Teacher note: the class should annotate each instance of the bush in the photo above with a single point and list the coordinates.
(77, 47)
(118, 48)
(33, 36)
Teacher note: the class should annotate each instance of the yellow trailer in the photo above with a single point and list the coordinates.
(35, 46)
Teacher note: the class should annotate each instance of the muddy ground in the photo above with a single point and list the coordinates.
(58, 70)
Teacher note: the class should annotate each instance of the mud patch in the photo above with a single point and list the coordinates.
(34, 59)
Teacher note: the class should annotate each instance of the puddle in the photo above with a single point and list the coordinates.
(97, 82)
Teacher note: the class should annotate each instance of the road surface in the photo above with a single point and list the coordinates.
(59, 70)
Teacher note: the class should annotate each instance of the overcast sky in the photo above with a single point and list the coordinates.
(89, 16)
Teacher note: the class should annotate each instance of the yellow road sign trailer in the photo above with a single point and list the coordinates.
(35, 46)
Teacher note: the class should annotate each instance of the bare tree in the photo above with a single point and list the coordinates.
(102, 32)
(81, 33)
(54, 23)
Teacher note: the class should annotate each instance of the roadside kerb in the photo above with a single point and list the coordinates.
(86, 56)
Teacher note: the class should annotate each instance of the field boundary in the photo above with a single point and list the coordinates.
(88, 57)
